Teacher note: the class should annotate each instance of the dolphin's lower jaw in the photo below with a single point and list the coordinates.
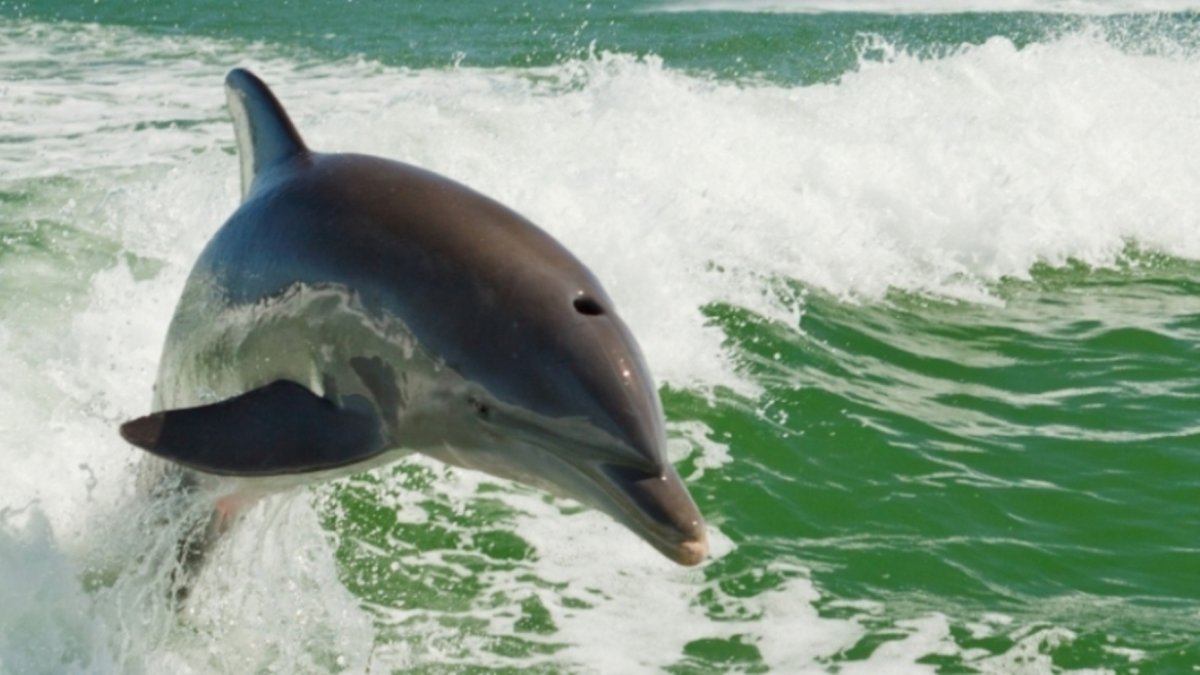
(655, 507)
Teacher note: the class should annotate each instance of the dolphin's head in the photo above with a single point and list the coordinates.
(541, 381)
(555, 393)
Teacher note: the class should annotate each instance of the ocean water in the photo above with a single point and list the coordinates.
(920, 281)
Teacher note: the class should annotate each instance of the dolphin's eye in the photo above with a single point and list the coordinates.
(588, 306)
(482, 409)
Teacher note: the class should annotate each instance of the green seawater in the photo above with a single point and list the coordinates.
(976, 450)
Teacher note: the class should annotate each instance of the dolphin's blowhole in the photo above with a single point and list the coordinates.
(588, 306)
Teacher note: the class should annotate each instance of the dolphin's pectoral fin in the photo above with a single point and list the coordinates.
(281, 428)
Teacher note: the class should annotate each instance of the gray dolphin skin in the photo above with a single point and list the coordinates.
(356, 309)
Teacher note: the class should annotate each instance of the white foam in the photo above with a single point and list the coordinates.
(47, 623)
(924, 636)
(272, 600)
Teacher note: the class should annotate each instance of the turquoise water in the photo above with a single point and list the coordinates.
(922, 290)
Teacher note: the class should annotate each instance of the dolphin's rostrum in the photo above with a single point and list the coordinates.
(354, 309)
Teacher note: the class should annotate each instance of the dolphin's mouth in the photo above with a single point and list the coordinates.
(655, 506)
(567, 457)
(658, 508)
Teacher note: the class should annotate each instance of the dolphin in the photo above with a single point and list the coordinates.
(356, 309)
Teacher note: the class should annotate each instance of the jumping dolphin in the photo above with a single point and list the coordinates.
(354, 309)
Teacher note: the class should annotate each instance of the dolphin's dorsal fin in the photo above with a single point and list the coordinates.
(265, 134)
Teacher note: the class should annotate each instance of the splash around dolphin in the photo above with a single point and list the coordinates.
(355, 309)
